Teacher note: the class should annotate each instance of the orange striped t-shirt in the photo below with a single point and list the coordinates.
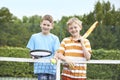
(73, 50)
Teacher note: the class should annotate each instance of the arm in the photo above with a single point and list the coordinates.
(60, 55)
(56, 47)
(63, 58)
(87, 54)
(30, 45)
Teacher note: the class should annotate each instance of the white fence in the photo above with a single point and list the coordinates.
(11, 59)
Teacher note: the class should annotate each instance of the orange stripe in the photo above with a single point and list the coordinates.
(74, 54)
(73, 47)
(74, 74)
(67, 42)
(77, 67)
(61, 51)
(62, 45)
(87, 46)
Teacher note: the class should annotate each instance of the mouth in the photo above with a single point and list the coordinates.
(74, 32)
(45, 29)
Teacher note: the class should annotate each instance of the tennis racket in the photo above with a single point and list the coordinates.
(40, 53)
(89, 31)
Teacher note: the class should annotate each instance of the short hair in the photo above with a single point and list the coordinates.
(74, 20)
(48, 17)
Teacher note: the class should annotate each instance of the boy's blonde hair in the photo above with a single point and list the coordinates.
(48, 17)
(74, 20)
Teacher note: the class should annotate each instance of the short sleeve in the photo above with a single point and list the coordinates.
(30, 44)
(62, 47)
(56, 44)
(88, 46)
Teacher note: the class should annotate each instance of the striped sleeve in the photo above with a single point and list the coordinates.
(88, 46)
(62, 47)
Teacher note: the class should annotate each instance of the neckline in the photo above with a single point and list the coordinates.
(44, 35)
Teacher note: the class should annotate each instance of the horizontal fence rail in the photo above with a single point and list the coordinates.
(47, 61)
(12, 59)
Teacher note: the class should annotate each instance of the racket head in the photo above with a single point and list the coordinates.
(40, 53)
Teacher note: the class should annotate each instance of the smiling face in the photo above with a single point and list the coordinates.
(74, 29)
(46, 26)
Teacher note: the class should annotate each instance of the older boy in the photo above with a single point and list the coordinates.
(74, 48)
(45, 41)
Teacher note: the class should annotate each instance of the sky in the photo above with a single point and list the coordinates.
(56, 8)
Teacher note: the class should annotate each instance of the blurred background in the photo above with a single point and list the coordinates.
(19, 19)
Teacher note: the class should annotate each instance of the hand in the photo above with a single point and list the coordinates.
(82, 41)
(70, 63)
(55, 57)
(32, 57)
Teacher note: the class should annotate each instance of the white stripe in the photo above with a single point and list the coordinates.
(66, 39)
(73, 44)
(77, 64)
(61, 48)
(78, 71)
(88, 49)
(74, 51)
(87, 43)
(63, 42)
(73, 76)
(76, 58)
(75, 71)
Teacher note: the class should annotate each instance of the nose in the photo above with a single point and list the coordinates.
(45, 26)
(73, 29)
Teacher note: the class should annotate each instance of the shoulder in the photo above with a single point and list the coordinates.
(87, 41)
(53, 36)
(35, 34)
(67, 39)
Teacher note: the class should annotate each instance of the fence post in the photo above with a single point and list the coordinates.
(58, 70)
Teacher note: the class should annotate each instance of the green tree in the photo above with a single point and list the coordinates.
(98, 10)
(5, 15)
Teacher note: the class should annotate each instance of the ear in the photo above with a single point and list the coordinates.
(80, 28)
(68, 29)
(52, 25)
(40, 24)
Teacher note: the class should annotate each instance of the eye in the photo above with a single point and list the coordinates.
(48, 25)
(44, 24)
(71, 28)
(75, 27)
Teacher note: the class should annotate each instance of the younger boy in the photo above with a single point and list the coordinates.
(44, 41)
(74, 48)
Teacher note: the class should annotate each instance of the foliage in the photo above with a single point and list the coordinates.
(10, 69)
(16, 32)
(100, 71)
(104, 71)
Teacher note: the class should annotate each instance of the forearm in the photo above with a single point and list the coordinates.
(61, 57)
(87, 54)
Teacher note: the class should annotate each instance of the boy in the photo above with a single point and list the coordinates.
(45, 41)
(74, 48)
